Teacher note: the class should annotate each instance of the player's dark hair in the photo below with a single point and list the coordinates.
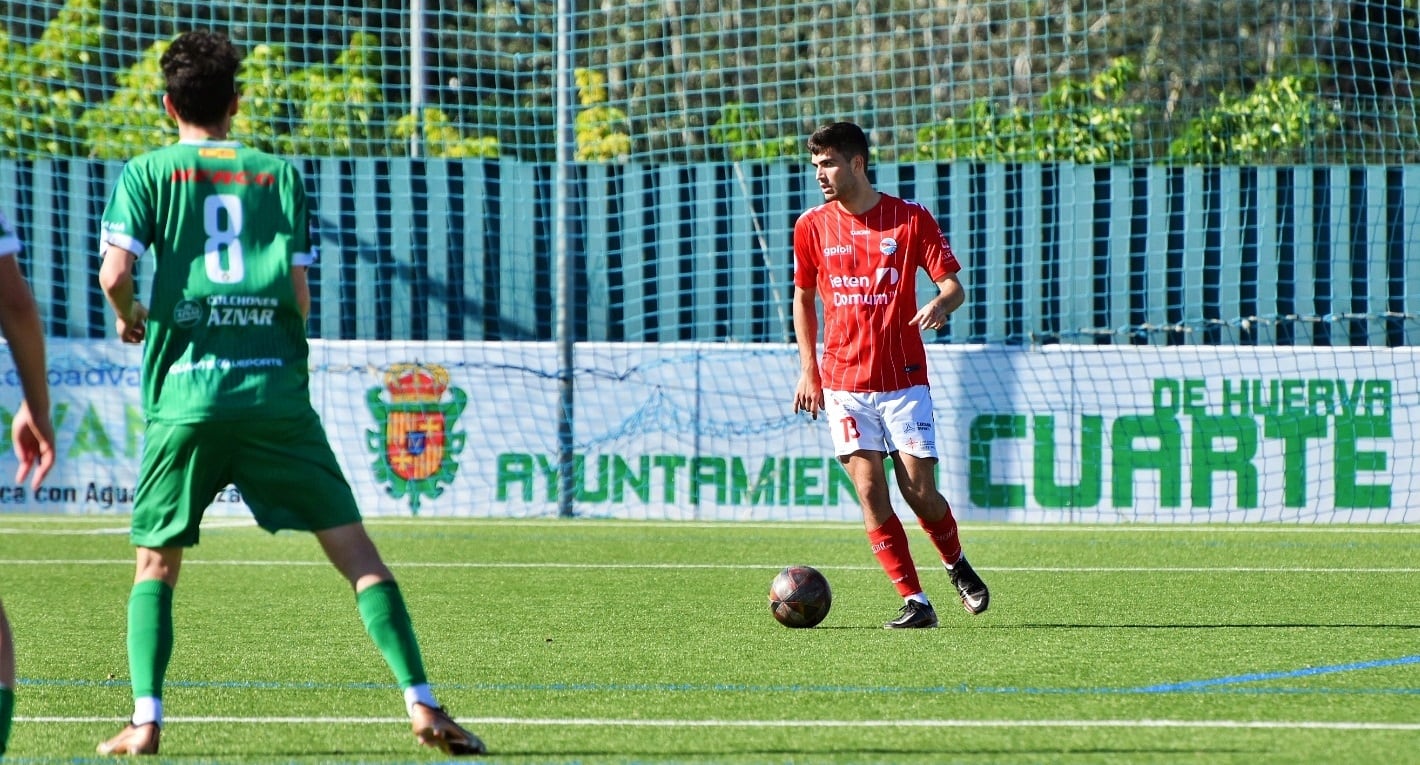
(200, 68)
(847, 138)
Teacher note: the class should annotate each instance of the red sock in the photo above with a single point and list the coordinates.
(890, 546)
(943, 534)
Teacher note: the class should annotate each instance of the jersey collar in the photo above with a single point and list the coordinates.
(210, 142)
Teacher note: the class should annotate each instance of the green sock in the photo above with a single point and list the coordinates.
(387, 620)
(150, 636)
(7, 711)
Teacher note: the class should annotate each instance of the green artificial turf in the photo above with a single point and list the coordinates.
(595, 641)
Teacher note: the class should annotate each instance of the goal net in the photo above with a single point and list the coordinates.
(556, 245)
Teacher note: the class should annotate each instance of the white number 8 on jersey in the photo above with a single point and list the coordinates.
(220, 238)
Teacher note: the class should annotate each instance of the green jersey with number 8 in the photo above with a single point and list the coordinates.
(224, 224)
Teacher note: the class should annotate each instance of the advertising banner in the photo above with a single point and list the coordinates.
(706, 431)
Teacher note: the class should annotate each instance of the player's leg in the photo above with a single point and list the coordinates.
(291, 479)
(911, 428)
(859, 442)
(917, 480)
(888, 539)
(387, 620)
(150, 648)
(182, 469)
(7, 679)
(381, 604)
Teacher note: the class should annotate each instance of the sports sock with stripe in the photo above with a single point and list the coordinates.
(890, 547)
(943, 534)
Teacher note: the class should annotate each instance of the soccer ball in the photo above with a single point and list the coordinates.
(799, 596)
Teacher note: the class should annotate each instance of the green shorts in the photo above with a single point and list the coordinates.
(284, 469)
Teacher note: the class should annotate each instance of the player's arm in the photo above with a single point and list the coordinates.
(306, 245)
(808, 395)
(116, 280)
(300, 282)
(950, 296)
(20, 322)
(32, 430)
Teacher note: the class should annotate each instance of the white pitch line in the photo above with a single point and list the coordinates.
(662, 723)
(737, 566)
(115, 530)
(857, 526)
(849, 526)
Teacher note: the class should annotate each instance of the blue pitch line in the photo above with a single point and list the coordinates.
(1194, 685)
(1225, 685)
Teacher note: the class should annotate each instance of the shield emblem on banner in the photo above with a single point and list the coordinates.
(414, 443)
(416, 410)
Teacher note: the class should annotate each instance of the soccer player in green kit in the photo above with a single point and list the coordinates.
(31, 430)
(226, 394)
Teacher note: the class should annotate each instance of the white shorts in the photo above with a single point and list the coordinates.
(897, 420)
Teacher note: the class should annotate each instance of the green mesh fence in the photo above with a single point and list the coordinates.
(1221, 199)
(1230, 82)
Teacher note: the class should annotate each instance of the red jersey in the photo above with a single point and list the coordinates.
(864, 268)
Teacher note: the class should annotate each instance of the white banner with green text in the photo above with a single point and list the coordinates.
(706, 431)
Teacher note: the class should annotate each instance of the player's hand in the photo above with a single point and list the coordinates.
(133, 327)
(33, 438)
(808, 396)
(930, 316)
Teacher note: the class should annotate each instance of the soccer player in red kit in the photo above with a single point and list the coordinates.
(861, 251)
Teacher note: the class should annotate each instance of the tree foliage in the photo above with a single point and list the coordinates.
(1279, 121)
(602, 132)
(1085, 122)
(135, 113)
(741, 132)
(39, 100)
(692, 80)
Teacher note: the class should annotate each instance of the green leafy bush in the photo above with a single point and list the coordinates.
(441, 138)
(603, 133)
(1078, 121)
(266, 113)
(1276, 122)
(342, 111)
(739, 131)
(133, 119)
(39, 105)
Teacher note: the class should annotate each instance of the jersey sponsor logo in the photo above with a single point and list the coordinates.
(217, 152)
(241, 311)
(257, 301)
(837, 249)
(187, 313)
(241, 317)
(849, 281)
(888, 246)
(415, 444)
(216, 364)
(883, 280)
(222, 177)
(861, 299)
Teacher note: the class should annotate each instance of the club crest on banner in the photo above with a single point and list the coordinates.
(415, 445)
